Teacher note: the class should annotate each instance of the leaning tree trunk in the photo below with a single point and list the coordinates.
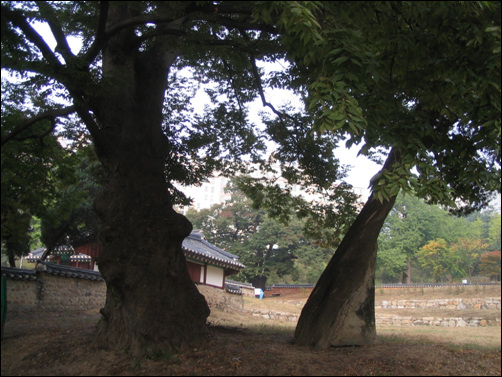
(152, 306)
(341, 309)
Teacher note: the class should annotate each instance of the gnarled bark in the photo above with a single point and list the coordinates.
(152, 306)
(341, 309)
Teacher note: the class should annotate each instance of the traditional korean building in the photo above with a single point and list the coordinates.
(67, 256)
(206, 263)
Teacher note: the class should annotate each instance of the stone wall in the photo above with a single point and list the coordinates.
(50, 292)
(275, 315)
(394, 320)
(60, 292)
(219, 299)
(54, 292)
(22, 295)
(472, 303)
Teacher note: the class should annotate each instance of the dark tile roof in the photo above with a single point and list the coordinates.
(18, 273)
(196, 247)
(74, 272)
(35, 255)
(51, 268)
(240, 284)
(231, 288)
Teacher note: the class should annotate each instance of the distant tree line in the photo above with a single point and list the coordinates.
(272, 251)
(424, 243)
(419, 243)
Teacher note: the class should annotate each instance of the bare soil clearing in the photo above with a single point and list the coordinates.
(57, 343)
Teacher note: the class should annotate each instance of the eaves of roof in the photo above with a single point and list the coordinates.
(198, 249)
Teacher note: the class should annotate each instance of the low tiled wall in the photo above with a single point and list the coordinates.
(51, 292)
(60, 292)
(287, 291)
(22, 295)
(45, 291)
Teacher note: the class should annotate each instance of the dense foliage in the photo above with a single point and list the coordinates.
(424, 243)
(271, 251)
(422, 78)
(220, 57)
(419, 243)
(36, 172)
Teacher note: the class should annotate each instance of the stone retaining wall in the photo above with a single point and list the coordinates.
(275, 315)
(219, 299)
(394, 320)
(471, 303)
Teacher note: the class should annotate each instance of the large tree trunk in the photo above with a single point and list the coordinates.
(341, 309)
(259, 282)
(152, 306)
(407, 274)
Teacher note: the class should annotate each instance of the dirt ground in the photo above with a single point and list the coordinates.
(57, 343)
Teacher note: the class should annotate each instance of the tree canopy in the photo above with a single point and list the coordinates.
(419, 77)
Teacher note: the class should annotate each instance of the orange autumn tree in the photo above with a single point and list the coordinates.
(490, 265)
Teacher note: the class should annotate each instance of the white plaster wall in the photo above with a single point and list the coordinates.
(202, 272)
(214, 276)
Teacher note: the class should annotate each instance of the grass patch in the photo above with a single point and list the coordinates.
(478, 338)
(273, 328)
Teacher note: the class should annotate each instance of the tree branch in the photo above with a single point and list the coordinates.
(62, 44)
(30, 122)
(42, 135)
(211, 14)
(18, 19)
(256, 75)
(100, 39)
